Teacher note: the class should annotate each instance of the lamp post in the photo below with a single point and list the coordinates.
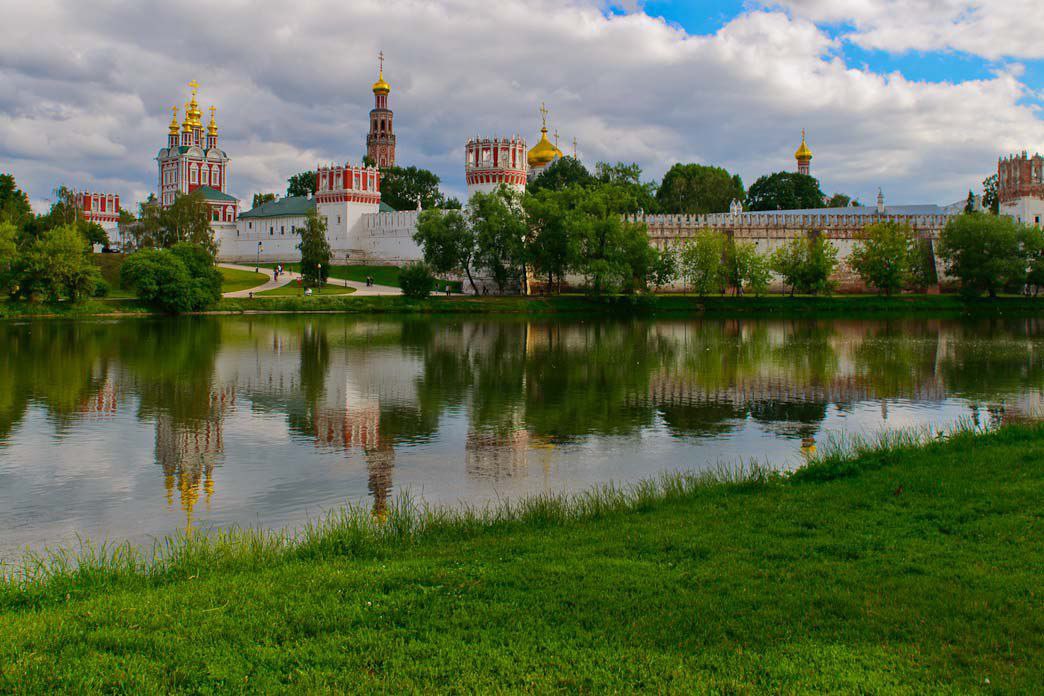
(319, 287)
(346, 257)
(257, 265)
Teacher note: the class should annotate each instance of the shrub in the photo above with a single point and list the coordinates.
(101, 288)
(57, 265)
(986, 252)
(885, 255)
(806, 265)
(180, 279)
(416, 280)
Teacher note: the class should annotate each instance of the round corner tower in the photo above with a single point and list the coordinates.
(490, 162)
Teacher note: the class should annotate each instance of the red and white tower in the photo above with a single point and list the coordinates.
(492, 162)
(103, 209)
(192, 161)
(380, 142)
(804, 157)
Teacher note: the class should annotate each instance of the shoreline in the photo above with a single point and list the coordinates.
(772, 306)
(908, 563)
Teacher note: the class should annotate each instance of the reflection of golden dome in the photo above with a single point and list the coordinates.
(544, 151)
(380, 86)
(803, 153)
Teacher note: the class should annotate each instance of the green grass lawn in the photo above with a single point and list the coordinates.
(905, 570)
(382, 275)
(291, 289)
(109, 265)
(234, 279)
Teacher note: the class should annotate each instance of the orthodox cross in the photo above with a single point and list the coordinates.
(543, 113)
(556, 138)
(195, 86)
(574, 147)
(380, 63)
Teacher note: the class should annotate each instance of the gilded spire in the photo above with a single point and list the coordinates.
(380, 86)
(803, 154)
(212, 126)
(174, 120)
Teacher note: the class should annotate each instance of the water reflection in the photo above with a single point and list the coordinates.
(130, 428)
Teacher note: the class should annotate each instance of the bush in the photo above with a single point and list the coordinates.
(416, 280)
(180, 279)
(101, 288)
(806, 265)
(987, 252)
(885, 255)
(57, 266)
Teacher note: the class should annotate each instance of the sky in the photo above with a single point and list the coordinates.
(916, 97)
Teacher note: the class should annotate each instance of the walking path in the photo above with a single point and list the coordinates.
(287, 277)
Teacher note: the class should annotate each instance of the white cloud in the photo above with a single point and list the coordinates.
(993, 29)
(293, 89)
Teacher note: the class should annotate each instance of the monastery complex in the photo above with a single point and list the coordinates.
(362, 229)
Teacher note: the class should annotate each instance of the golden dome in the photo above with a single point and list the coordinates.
(543, 152)
(212, 126)
(174, 120)
(380, 86)
(803, 153)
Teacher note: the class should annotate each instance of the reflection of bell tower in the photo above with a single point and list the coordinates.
(380, 465)
(188, 453)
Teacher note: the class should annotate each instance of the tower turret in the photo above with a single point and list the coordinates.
(212, 130)
(172, 132)
(491, 162)
(380, 142)
(803, 156)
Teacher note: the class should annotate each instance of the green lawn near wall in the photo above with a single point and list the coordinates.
(911, 569)
(382, 275)
(291, 289)
(234, 279)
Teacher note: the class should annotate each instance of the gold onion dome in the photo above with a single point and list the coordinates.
(543, 152)
(803, 153)
(212, 126)
(380, 86)
(174, 120)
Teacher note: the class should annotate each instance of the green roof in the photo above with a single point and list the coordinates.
(215, 195)
(385, 208)
(291, 205)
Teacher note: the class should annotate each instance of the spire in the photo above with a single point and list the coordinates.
(880, 202)
(212, 128)
(173, 130)
(803, 155)
(380, 86)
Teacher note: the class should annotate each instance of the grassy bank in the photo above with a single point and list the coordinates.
(234, 279)
(909, 569)
(774, 306)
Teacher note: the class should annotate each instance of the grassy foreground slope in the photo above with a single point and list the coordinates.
(902, 571)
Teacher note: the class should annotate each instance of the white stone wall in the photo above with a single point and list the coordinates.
(279, 237)
(1028, 210)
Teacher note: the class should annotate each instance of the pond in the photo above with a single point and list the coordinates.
(132, 429)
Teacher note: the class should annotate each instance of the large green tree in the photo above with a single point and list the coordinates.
(14, 203)
(315, 250)
(745, 269)
(784, 191)
(990, 199)
(261, 199)
(500, 234)
(806, 264)
(987, 252)
(698, 189)
(186, 220)
(634, 194)
(401, 187)
(57, 265)
(301, 184)
(180, 279)
(8, 255)
(561, 174)
(448, 242)
(885, 256)
(702, 262)
(552, 250)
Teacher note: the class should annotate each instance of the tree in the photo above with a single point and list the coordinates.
(884, 256)
(500, 234)
(262, 198)
(785, 191)
(990, 199)
(664, 267)
(57, 265)
(697, 189)
(985, 252)
(401, 187)
(180, 279)
(315, 250)
(448, 242)
(627, 179)
(840, 200)
(806, 264)
(969, 205)
(93, 233)
(301, 184)
(561, 174)
(551, 250)
(416, 280)
(14, 203)
(746, 269)
(701, 261)
(8, 255)
(187, 220)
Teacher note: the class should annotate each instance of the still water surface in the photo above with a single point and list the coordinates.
(133, 429)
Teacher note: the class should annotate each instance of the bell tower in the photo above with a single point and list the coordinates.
(380, 142)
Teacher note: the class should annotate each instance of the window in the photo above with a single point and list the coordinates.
(250, 225)
(192, 175)
(338, 219)
(282, 229)
(204, 176)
